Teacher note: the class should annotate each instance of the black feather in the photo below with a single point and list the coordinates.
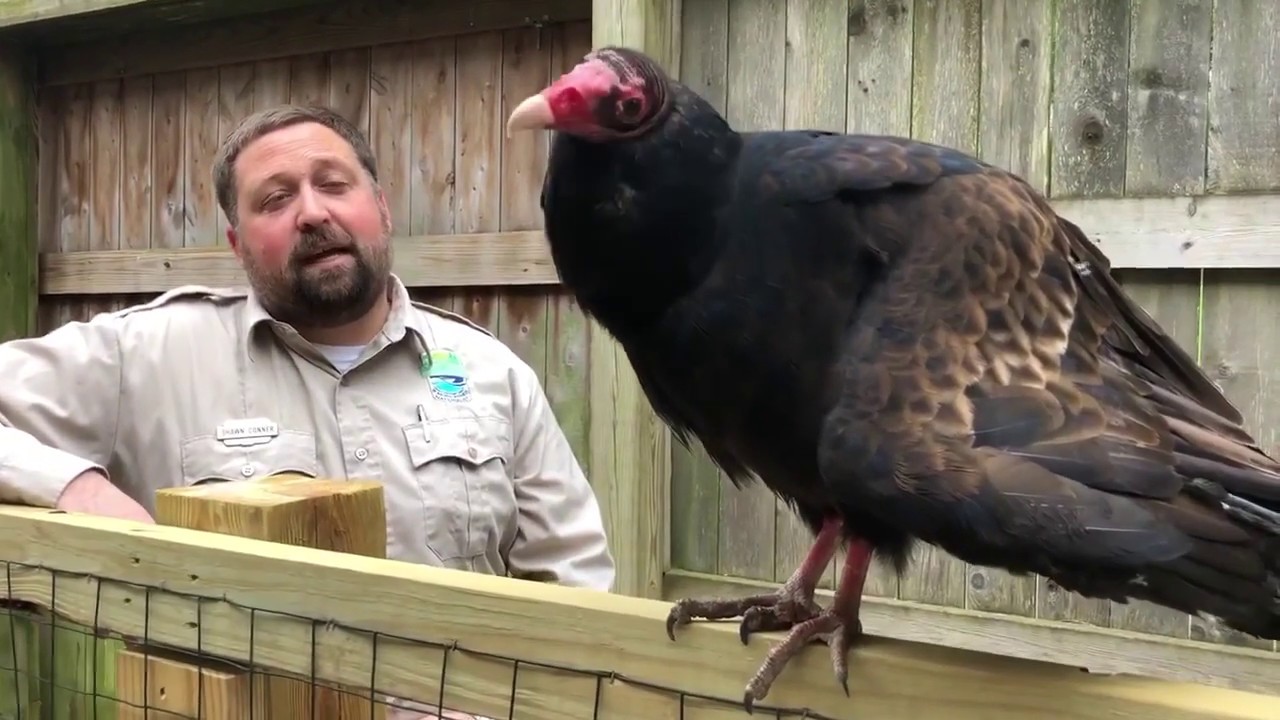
(899, 333)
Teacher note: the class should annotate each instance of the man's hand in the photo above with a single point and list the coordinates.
(92, 493)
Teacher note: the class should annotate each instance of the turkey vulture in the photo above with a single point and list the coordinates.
(904, 343)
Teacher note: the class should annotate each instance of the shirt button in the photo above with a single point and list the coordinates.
(361, 453)
(471, 452)
(247, 471)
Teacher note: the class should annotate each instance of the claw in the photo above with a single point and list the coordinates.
(768, 612)
(829, 626)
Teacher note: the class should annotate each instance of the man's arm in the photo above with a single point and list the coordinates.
(59, 405)
(561, 532)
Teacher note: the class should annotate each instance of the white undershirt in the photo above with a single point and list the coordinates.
(342, 356)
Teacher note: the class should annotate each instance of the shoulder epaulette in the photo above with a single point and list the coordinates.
(450, 315)
(187, 292)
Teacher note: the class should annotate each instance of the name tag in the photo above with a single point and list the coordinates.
(250, 431)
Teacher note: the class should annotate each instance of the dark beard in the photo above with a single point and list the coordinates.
(305, 296)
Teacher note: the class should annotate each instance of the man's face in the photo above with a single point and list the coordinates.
(313, 231)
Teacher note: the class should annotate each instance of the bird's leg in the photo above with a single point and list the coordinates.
(839, 626)
(779, 610)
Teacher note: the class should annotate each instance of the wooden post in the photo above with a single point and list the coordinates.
(17, 193)
(630, 448)
(339, 515)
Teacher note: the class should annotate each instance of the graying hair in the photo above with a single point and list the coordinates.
(270, 120)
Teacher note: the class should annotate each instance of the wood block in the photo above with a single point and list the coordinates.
(344, 516)
(158, 685)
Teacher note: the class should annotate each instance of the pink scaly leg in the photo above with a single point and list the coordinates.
(838, 626)
(779, 610)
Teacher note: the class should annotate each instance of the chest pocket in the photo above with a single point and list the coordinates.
(204, 457)
(461, 470)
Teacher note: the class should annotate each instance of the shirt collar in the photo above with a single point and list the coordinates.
(401, 321)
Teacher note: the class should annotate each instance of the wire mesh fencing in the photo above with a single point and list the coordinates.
(99, 649)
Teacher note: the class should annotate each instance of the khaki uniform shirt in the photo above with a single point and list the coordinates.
(477, 473)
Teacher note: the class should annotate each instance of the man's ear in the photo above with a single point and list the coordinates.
(384, 211)
(233, 239)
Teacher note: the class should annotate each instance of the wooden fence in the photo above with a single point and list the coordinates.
(128, 114)
(494, 646)
(1152, 123)
(1155, 124)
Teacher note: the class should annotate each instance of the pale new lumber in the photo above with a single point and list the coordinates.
(505, 258)
(568, 627)
(340, 515)
(629, 447)
(164, 686)
(1096, 649)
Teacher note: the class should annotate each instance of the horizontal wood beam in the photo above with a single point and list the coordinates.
(294, 31)
(221, 577)
(477, 259)
(1207, 231)
(13, 14)
(1230, 231)
(1096, 649)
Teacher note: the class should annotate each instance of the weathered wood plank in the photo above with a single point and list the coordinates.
(946, 71)
(878, 99)
(1235, 231)
(1092, 648)
(1208, 231)
(1241, 343)
(540, 623)
(292, 32)
(478, 159)
(1165, 148)
(45, 19)
(200, 138)
(630, 448)
(1013, 132)
(481, 259)
(815, 97)
(1088, 117)
(526, 69)
(18, 173)
(1244, 97)
(568, 346)
(755, 101)
(695, 480)
(433, 134)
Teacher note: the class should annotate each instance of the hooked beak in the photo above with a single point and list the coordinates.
(532, 113)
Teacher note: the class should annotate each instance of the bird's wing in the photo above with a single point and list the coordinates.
(1000, 396)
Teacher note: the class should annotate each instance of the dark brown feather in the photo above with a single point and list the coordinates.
(1034, 417)
(898, 333)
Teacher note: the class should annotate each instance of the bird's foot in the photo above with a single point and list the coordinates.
(767, 612)
(839, 630)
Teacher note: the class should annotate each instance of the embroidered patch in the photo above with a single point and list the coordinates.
(447, 376)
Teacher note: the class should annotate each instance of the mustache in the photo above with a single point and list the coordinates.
(322, 240)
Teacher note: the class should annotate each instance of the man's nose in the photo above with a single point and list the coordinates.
(311, 208)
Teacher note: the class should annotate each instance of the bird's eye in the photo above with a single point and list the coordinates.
(631, 107)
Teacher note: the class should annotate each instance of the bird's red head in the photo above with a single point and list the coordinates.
(613, 93)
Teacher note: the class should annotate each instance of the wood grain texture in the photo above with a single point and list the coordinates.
(430, 609)
(18, 169)
(630, 452)
(293, 32)
(1144, 120)
(480, 259)
(1100, 650)
(946, 76)
(341, 516)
